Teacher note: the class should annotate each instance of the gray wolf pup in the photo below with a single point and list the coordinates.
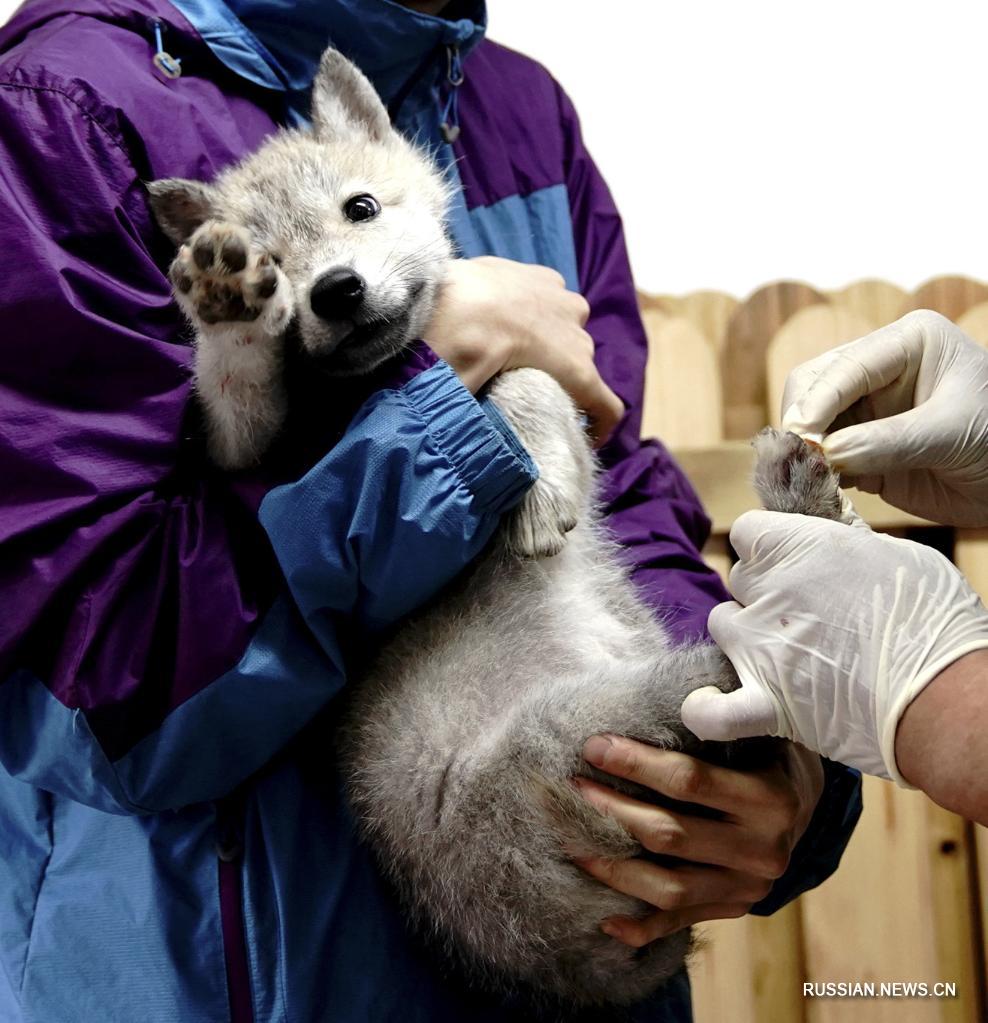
(462, 737)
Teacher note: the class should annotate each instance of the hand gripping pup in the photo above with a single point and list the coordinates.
(460, 739)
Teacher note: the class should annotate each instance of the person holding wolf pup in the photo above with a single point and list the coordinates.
(171, 846)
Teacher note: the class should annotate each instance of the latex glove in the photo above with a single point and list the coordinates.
(917, 392)
(834, 632)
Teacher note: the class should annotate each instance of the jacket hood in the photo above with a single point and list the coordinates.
(278, 43)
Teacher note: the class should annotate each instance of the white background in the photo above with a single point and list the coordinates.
(750, 141)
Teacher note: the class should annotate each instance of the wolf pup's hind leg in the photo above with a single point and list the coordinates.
(792, 475)
(546, 422)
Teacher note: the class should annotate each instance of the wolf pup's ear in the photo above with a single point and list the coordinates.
(345, 103)
(180, 206)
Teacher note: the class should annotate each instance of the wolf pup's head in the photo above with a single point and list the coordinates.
(352, 212)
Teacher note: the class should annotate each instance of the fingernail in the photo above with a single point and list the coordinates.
(611, 929)
(596, 748)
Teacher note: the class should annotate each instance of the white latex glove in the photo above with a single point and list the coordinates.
(917, 391)
(835, 631)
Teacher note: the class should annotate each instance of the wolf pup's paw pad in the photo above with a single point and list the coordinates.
(792, 475)
(538, 526)
(222, 276)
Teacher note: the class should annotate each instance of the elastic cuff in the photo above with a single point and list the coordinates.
(484, 450)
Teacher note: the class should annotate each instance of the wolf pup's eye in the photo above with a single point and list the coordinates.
(361, 207)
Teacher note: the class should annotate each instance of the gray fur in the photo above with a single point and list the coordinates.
(792, 475)
(460, 741)
(344, 104)
(285, 205)
(463, 736)
(181, 207)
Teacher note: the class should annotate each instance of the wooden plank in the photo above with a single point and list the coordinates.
(711, 312)
(956, 924)
(777, 964)
(668, 304)
(975, 322)
(717, 554)
(646, 300)
(749, 970)
(721, 475)
(896, 910)
(682, 389)
(805, 335)
(981, 850)
(971, 557)
(877, 302)
(752, 326)
(721, 973)
(951, 295)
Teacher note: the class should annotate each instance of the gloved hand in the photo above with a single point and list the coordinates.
(907, 407)
(835, 632)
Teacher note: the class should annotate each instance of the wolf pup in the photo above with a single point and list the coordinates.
(460, 741)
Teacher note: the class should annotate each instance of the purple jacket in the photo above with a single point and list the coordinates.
(162, 684)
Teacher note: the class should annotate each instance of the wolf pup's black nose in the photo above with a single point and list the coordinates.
(337, 295)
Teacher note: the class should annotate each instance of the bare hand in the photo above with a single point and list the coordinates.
(731, 862)
(496, 314)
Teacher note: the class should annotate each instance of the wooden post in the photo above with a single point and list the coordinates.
(682, 384)
(805, 335)
(950, 295)
(878, 302)
(750, 970)
(751, 327)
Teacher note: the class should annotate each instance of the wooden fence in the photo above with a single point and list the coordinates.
(909, 900)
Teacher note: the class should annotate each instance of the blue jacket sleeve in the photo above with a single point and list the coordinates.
(150, 654)
(409, 496)
(412, 509)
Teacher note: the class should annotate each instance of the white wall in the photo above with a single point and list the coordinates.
(749, 141)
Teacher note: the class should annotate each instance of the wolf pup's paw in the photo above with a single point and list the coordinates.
(792, 475)
(538, 526)
(219, 276)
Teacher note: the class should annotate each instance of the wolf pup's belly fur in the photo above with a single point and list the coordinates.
(460, 740)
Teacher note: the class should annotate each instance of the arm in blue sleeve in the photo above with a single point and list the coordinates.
(415, 488)
(407, 498)
(819, 851)
(143, 665)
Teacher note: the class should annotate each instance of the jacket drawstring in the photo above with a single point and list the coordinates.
(449, 127)
(169, 66)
